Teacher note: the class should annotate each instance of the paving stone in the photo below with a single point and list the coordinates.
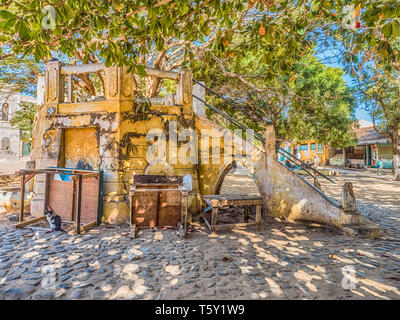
(35, 276)
(3, 273)
(64, 271)
(13, 277)
(45, 294)
(15, 293)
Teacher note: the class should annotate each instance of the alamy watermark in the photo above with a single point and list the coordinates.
(211, 147)
(49, 19)
(349, 279)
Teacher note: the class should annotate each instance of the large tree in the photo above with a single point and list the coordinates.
(166, 34)
(379, 92)
(312, 101)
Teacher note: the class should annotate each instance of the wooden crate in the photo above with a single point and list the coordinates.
(157, 201)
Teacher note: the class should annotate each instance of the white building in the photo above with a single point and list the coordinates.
(11, 146)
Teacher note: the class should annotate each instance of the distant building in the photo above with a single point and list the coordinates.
(11, 145)
(307, 149)
(370, 148)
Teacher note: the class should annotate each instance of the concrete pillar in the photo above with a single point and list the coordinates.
(344, 157)
(54, 83)
(185, 88)
(348, 198)
(198, 106)
(317, 184)
(118, 84)
(270, 141)
(40, 95)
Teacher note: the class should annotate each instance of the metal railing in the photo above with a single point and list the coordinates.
(292, 158)
(302, 165)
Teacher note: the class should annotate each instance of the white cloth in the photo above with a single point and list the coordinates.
(187, 182)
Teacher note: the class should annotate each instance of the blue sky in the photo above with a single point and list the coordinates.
(361, 114)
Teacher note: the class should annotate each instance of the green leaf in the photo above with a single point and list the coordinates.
(141, 70)
(396, 29)
(387, 30)
(4, 14)
(23, 31)
(7, 24)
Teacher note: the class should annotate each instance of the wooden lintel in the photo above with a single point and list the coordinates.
(162, 74)
(90, 175)
(82, 68)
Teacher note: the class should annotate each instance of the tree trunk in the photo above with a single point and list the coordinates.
(396, 152)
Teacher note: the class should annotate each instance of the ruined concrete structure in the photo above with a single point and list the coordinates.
(111, 135)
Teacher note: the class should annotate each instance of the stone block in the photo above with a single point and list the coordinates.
(348, 198)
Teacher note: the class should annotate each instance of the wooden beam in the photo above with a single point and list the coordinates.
(82, 68)
(90, 175)
(29, 177)
(162, 74)
(233, 225)
(85, 227)
(96, 67)
(207, 223)
(26, 223)
(258, 217)
(246, 213)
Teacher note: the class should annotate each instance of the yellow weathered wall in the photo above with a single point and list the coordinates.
(323, 157)
(81, 145)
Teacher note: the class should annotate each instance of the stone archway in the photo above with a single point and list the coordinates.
(222, 176)
(224, 172)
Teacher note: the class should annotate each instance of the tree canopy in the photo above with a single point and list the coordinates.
(121, 32)
(314, 102)
(238, 38)
(378, 91)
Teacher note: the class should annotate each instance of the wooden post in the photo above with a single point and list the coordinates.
(73, 199)
(214, 218)
(21, 211)
(246, 214)
(184, 209)
(78, 214)
(46, 192)
(258, 217)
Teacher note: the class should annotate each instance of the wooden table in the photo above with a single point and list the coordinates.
(218, 201)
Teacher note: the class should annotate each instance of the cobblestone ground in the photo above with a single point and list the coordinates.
(282, 261)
